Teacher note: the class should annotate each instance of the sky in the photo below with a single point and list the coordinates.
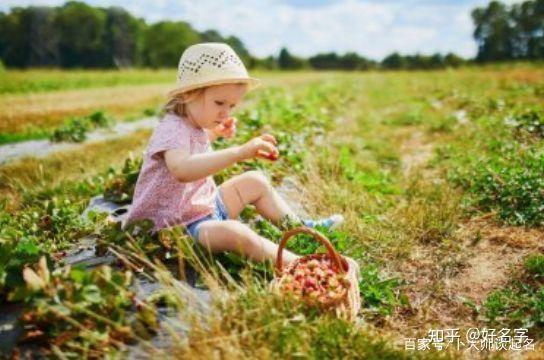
(371, 28)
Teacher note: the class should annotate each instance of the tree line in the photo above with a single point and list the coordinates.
(513, 32)
(79, 35)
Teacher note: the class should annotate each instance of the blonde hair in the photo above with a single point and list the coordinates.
(178, 100)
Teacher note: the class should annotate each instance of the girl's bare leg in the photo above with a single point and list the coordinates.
(254, 188)
(232, 235)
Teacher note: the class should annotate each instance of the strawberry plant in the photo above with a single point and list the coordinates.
(75, 129)
(81, 311)
(14, 255)
(529, 121)
(512, 185)
(119, 187)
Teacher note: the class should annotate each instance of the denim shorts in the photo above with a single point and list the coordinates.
(220, 213)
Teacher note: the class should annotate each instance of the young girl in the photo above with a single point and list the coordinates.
(176, 186)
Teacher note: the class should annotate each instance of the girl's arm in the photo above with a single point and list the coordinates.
(188, 168)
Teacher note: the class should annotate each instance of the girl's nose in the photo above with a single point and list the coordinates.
(224, 115)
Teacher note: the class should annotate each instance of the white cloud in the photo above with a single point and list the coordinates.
(370, 27)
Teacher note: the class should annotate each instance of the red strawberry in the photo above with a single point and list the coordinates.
(229, 122)
(310, 282)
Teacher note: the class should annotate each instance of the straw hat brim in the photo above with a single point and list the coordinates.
(252, 83)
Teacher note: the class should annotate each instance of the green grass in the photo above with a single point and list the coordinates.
(521, 303)
(31, 81)
(348, 140)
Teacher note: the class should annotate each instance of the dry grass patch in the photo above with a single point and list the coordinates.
(88, 160)
(46, 110)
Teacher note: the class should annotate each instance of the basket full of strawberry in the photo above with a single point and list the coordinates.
(327, 281)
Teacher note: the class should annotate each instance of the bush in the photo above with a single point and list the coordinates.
(512, 185)
(75, 129)
(527, 122)
(120, 187)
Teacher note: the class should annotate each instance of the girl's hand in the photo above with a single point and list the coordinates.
(227, 129)
(263, 146)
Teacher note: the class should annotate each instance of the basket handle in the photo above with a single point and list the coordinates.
(317, 235)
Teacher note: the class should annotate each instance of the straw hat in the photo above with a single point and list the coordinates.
(208, 64)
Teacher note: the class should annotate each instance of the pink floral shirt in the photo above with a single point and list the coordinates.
(159, 196)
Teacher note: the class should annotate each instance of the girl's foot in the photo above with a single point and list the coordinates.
(329, 223)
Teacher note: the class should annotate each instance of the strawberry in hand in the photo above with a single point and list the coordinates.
(226, 129)
(263, 146)
(270, 156)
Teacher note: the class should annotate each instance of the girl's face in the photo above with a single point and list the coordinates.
(214, 105)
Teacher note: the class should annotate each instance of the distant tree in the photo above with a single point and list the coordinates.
(325, 61)
(28, 37)
(493, 32)
(452, 60)
(79, 35)
(123, 37)
(528, 38)
(165, 41)
(13, 42)
(267, 63)
(348, 61)
(239, 47)
(289, 62)
(352, 61)
(42, 37)
(436, 61)
(394, 61)
(82, 30)
(211, 36)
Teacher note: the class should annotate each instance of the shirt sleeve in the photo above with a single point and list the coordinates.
(168, 135)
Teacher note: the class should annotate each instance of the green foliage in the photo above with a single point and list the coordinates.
(528, 122)
(375, 181)
(512, 185)
(85, 311)
(418, 61)
(120, 185)
(14, 255)
(508, 32)
(56, 219)
(379, 295)
(75, 129)
(412, 117)
(161, 245)
(288, 61)
(100, 119)
(21, 82)
(534, 265)
(261, 320)
(6, 138)
(521, 303)
(160, 50)
(348, 61)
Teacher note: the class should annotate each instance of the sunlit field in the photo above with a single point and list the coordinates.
(439, 174)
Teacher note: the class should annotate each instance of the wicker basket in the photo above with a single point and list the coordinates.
(345, 307)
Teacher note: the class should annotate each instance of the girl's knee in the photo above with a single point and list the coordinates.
(256, 179)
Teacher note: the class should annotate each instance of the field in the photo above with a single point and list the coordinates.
(439, 174)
